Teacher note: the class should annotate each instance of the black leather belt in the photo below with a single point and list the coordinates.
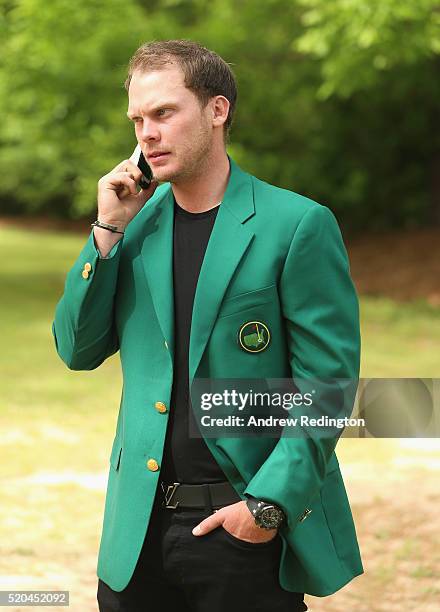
(207, 496)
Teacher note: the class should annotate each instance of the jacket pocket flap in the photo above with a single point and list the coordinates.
(243, 301)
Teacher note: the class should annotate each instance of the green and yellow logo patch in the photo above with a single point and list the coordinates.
(254, 336)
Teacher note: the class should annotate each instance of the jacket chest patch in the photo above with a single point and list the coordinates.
(253, 337)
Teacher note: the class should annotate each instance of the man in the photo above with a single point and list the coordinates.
(213, 274)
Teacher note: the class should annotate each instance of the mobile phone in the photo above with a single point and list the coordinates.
(138, 158)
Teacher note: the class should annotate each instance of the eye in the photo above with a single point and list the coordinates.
(162, 111)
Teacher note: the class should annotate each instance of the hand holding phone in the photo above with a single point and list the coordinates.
(119, 200)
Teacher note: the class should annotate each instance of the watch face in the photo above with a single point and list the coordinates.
(271, 517)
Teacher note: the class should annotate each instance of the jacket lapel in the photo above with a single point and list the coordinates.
(227, 244)
(157, 259)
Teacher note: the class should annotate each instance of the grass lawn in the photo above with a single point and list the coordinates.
(57, 428)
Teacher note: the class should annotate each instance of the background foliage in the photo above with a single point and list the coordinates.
(338, 99)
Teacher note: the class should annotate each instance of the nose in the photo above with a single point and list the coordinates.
(148, 131)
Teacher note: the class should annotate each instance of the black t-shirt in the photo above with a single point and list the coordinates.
(186, 459)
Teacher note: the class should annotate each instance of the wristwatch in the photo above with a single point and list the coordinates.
(266, 515)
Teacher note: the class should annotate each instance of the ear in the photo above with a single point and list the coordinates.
(220, 109)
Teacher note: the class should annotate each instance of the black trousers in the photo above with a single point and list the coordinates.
(212, 573)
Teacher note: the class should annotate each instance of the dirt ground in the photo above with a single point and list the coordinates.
(393, 487)
(395, 504)
(403, 265)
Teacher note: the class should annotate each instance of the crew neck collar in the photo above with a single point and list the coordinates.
(195, 215)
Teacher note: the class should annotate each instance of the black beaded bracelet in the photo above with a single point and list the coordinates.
(107, 226)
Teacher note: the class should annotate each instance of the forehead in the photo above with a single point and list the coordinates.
(147, 89)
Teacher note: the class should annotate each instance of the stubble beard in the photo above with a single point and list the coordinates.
(194, 159)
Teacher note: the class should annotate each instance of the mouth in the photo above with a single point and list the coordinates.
(154, 157)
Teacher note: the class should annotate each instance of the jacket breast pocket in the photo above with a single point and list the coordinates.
(244, 319)
(245, 301)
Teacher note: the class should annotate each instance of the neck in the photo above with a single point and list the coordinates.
(205, 190)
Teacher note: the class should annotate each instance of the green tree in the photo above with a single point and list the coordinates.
(337, 100)
(382, 58)
(62, 98)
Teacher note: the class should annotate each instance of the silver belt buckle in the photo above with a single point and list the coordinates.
(169, 494)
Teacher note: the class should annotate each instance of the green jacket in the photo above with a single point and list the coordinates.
(273, 256)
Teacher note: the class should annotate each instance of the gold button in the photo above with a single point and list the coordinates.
(87, 267)
(152, 465)
(160, 407)
(85, 274)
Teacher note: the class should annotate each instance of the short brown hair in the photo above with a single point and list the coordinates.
(206, 73)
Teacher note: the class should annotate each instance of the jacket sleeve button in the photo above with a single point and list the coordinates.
(152, 465)
(160, 407)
